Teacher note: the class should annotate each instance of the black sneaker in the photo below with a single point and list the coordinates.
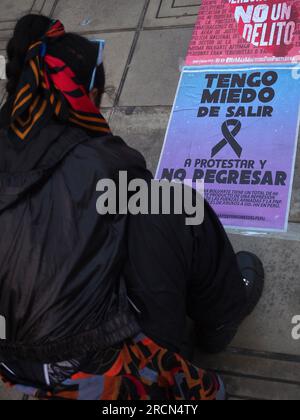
(253, 273)
(253, 277)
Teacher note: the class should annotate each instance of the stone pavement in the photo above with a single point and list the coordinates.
(146, 43)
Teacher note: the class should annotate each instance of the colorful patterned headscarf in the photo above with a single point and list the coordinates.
(47, 88)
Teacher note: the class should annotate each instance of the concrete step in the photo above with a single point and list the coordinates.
(264, 360)
(270, 327)
(256, 375)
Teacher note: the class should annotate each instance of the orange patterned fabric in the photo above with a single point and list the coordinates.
(141, 371)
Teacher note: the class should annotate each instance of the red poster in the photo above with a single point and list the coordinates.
(246, 31)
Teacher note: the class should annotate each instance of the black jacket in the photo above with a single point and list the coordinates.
(61, 286)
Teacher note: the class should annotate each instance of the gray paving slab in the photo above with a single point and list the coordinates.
(259, 366)
(186, 3)
(45, 7)
(12, 10)
(117, 49)
(260, 389)
(3, 44)
(171, 13)
(143, 129)
(95, 15)
(154, 71)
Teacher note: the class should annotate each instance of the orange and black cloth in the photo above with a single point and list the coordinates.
(48, 88)
(139, 370)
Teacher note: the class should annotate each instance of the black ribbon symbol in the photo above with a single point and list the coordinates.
(229, 138)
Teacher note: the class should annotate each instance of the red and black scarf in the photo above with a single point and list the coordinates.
(48, 88)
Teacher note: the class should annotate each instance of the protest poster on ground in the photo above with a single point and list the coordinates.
(246, 31)
(237, 128)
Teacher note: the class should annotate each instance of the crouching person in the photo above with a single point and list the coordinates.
(95, 306)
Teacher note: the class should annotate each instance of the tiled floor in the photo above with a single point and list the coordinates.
(146, 44)
(154, 69)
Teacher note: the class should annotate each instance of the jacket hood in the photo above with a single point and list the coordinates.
(25, 166)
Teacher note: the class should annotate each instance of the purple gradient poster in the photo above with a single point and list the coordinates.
(237, 128)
